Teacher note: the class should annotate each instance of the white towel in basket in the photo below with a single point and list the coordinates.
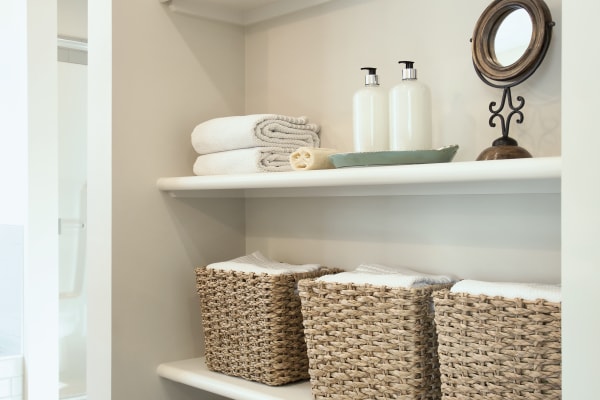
(260, 264)
(381, 275)
(525, 291)
(245, 131)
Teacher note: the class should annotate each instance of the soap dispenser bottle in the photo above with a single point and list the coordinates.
(370, 115)
(410, 112)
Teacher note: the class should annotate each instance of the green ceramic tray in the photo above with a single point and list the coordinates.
(441, 155)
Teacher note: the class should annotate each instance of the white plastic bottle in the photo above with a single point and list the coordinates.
(370, 115)
(410, 112)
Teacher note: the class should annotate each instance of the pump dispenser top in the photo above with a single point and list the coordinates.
(410, 112)
(371, 79)
(370, 115)
(408, 72)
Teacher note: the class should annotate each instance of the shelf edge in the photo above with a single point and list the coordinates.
(540, 175)
(193, 372)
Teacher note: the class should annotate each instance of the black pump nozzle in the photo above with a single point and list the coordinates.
(371, 77)
(408, 72)
(372, 71)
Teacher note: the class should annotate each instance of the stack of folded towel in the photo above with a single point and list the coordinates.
(380, 275)
(259, 264)
(250, 143)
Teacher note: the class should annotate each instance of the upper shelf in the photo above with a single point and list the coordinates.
(533, 175)
(239, 12)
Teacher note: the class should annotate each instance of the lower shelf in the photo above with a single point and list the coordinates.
(193, 372)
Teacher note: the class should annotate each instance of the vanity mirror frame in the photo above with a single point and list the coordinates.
(485, 61)
(493, 73)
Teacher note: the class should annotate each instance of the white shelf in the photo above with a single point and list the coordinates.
(193, 372)
(239, 12)
(534, 175)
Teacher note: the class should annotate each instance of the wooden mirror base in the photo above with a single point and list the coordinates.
(503, 152)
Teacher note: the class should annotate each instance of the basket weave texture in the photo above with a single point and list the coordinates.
(496, 348)
(253, 324)
(370, 342)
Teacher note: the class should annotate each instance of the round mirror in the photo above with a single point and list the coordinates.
(510, 40)
(512, 37)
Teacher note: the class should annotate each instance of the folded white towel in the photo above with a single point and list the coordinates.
(525, 291)
(245, 131)
(255, 159)
(308, 158)
(259, 264)
(380, 275)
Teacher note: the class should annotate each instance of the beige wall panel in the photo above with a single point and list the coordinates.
(72, 18)
(170, 72)
(503, 238)
(308, 63)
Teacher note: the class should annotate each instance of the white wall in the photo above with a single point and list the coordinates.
(41, 244)
(169, 73)
(581, 197)
(13, 203)
(494, 237)
(11, 292)
(72, 18)
(99, 236)
(27, 170)
(309, 63)
(13, 113)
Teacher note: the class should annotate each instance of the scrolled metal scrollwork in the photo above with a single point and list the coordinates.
(515, 111)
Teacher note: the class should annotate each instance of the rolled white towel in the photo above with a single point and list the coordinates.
(245, 131)
(243, 161)
(380, 275)
(259, 264)
(525, 291)
(309, 158)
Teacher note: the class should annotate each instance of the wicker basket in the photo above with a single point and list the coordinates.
(496, 348)
(253, 324)
(370, 342)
